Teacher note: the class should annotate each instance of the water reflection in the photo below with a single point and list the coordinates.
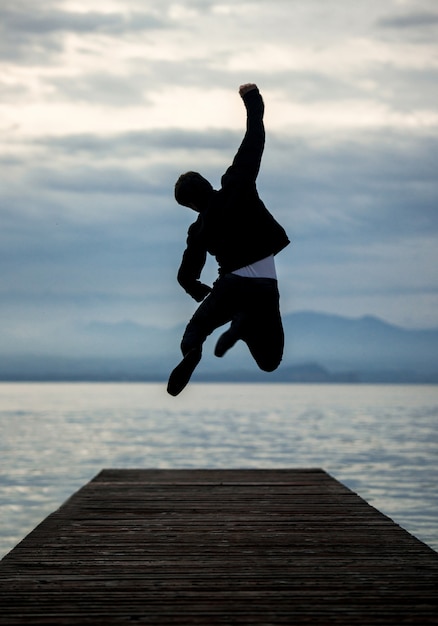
(380, 441)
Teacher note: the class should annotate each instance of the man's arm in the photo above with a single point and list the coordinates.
(190, 270)
(246, 163)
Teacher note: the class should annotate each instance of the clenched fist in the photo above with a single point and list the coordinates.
(243, 89)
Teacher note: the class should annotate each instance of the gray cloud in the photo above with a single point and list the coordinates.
(140, 142)
(33, 34)
(373, 184)
(330, 198)
(41, 21)
(409, 20)
(374, 187)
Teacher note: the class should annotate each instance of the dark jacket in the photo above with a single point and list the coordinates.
(234, 225)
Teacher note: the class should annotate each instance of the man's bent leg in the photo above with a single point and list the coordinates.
(263, 331)
(268, 351)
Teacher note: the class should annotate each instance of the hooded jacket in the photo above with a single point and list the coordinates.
(234, 225)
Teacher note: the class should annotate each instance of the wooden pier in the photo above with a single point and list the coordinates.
(210, 547)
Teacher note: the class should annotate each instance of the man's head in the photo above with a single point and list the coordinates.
(192, 190)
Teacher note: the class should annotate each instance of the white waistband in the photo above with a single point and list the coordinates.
(265, 268)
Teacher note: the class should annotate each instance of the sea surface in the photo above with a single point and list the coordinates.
(379, 440)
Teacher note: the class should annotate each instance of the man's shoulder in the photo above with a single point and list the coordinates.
(235, 180)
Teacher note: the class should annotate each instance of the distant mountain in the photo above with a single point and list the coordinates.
(364, 343)
(319, 348)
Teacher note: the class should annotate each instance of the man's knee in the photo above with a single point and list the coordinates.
(190, 341)
(269, 364)
(268, 367)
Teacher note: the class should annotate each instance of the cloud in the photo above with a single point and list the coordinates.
(334, 199)
(27, 30)
(46, 21)
(139, 142)
(364, 182)
(417, 24)
(101, 110)
(410, 20)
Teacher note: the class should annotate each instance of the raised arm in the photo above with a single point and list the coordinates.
(246, 163)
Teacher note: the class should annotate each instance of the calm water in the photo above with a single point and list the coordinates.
(381, 441)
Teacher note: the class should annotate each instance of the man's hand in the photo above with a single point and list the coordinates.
(243, 89)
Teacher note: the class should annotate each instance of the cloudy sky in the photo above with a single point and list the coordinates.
(103, 104)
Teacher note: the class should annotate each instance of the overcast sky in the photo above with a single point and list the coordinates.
(104, 103)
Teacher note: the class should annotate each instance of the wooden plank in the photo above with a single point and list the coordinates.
(218, 547)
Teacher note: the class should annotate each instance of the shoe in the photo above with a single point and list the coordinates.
(183, 372)
(225, 342)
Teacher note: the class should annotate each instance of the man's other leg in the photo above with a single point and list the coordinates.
(230, 336)
(214, 311)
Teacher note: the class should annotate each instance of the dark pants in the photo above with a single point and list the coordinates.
(252, 307)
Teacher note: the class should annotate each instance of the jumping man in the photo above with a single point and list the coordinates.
(236, 228)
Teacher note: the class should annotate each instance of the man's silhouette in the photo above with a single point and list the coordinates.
(236, 228)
